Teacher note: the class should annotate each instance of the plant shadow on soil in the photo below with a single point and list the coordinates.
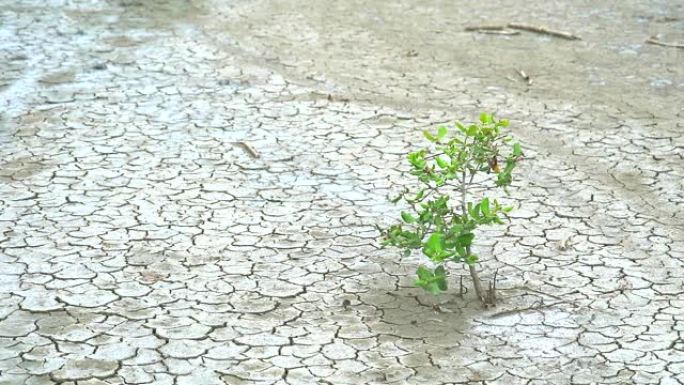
(410, 313)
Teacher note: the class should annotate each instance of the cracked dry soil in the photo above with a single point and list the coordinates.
(140, 243)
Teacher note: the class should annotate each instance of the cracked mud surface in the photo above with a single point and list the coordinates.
(140, 243)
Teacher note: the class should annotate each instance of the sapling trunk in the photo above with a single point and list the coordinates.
(477, 284)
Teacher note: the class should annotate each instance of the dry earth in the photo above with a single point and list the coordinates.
(141, 243)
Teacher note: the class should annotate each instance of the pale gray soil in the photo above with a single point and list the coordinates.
(141, 243)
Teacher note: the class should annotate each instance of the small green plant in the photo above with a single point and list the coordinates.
(443, 230)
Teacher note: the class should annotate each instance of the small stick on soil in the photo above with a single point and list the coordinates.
(525, 76)
(248, 149)
(544, 31)
(491, 291)
(491, 30)
(655, 41)
(476, 28)
(507, 33)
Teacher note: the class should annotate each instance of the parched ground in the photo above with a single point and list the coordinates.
(141, 242)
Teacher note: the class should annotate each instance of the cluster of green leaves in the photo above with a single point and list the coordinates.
(441, 230)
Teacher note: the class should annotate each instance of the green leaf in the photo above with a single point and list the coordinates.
(429, 136)
(417, 159)
(504, 178)
(504, 122)
(425, 216)
(441, 132)
(408, 218)
(433, 282)
(460, 127)
(406, 253)
(465, 240)
(484, 118)
(461, 251)
(484, 206)
(432, 287)
(434, 245)
(472, 130)
(440, 275)
(471, 259)
(457, 228)
(441, 162)
(510, 165)
(517, 150)
(474, 211)
(424, 274)
(442, 284)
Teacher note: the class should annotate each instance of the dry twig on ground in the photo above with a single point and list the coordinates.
(525, 76)
(248, 149)
(485, 28)
(544, 30)
(491, 30)
(653, 40)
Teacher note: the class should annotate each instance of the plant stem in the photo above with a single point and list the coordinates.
(463, 195)
(473, 270)
(476, 281)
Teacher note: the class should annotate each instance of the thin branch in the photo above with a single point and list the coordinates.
(472, 176)
(431, 190)
(464, 187)
(544, 31)
(491, 29)
(463, 181)
(434, 155)
(653, 40)
(504, 32)
(485, 28)
(248, 149)
(525, 77)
